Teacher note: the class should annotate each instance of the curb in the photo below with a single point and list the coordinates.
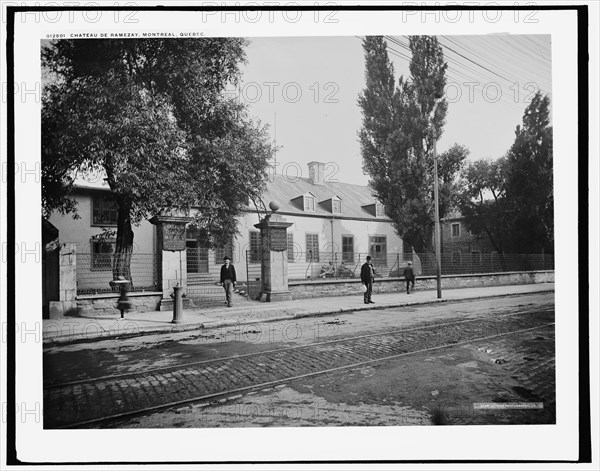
(177, 328)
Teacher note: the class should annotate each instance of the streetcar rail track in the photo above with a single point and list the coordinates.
(67, 402)
(283, 349)
(269, 384)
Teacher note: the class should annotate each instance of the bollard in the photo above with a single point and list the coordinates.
(177, 305)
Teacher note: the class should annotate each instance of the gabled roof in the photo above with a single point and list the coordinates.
(358, 201)
(285, 189)
(453, 214)
(332, 197)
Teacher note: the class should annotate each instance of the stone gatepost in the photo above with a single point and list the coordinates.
(274, 268)
(172, 261)
(67, 284)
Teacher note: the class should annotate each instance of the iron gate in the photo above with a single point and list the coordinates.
(253, 275)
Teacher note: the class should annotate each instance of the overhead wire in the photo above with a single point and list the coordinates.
(530, 64)
(457, 68)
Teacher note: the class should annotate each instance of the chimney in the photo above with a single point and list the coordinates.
(316, 173)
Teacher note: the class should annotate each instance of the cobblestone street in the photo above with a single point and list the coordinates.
(427, 366)
(421, 389)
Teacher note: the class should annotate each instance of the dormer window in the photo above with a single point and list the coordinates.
(309, 203)
(379, 210)
(336, 206)
(332, 205)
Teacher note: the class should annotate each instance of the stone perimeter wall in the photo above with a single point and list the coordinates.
(102, 304)
(99, 304)
(326, 288)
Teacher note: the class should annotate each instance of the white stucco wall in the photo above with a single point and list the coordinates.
(328, 241)
(80, 231)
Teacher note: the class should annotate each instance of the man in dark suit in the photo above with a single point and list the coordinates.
(409, 277)
(228, 279)
(367, 276)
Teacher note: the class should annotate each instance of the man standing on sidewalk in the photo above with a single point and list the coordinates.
(409, 277)
(367, 276)
(228, 279)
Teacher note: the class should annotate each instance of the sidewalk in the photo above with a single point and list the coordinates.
(95, 327)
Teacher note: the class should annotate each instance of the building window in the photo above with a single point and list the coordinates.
(336, 206)
(312, 247)
(290, 248)
(455, 229)
(220, 252)
(456, 257)
(476, 257)
(102, 254)
(254, 247)
(379, 210)
(104, 211)
(378, 250)
(309, 203)
(348, 249)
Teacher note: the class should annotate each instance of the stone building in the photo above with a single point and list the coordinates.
(331, 221)
(459, 245)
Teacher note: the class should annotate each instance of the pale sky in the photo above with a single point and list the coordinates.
(312, 85)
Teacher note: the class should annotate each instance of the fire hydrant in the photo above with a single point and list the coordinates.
(123, 303)
(177, 304)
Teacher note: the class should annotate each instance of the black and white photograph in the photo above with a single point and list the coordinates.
(262, 224)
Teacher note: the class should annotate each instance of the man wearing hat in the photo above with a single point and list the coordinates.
(228, 279)
(409, 277)
(367, 275)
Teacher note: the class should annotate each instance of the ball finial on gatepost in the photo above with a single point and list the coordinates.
(274, 205)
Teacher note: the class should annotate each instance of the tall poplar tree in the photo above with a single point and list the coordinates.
(398, 134)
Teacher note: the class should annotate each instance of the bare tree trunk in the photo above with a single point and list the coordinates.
(124, 246)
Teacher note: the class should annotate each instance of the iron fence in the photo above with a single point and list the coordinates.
(475, 262)
(205, 293)
(95, 273)
(340, 265)
(203, 285)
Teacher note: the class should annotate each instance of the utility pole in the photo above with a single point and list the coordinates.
(438, 252)
(437, 232)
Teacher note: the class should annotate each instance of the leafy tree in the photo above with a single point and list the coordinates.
(450, 165)
(483, 202)
(152, 116)
(511, 199)
(398, 134)
(529, 183)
